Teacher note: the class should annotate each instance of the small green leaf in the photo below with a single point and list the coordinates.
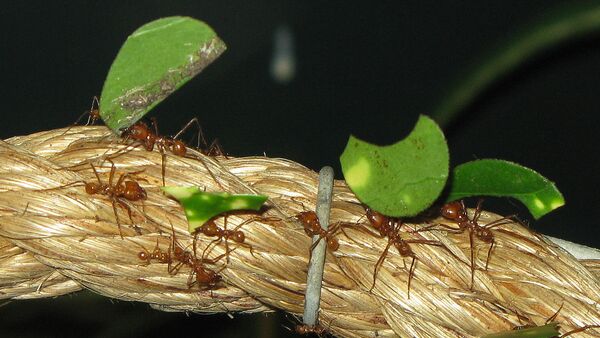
(401, 179)
(156, 60)
(491, 177)
(544, 331)
(201, 206)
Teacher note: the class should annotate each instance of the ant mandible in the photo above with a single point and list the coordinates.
(312, 227)
(211, 229)
(140, 132)
(390, 227)
(457, 212)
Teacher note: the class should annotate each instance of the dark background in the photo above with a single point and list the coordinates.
(367, 69)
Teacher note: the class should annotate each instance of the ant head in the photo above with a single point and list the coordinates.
(133, 191)
(302, 329)
(138, 131)
(376, 219)
(210, 228)
(308, 218)
(454, 211)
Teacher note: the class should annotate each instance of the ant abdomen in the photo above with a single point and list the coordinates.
(178, 148)
(238, 236)
(333, 244)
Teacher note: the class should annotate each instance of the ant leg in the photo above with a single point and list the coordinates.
(249, 247)
(436, 243)
(478, 210)
(126, 207)
(154, 124)
(114, 205)
(206, 250)
(91, 116)
(379, 263)
(501, 221)
(96, 173)
(441, 225)
(472, 259)
(200, 133)
(313, 246)
(163, 158)
(411, 273)
(348, 225)
(583, 328)
(214, 149)
(215, 260)
(553, 317)
(113, 169)
(487, 260)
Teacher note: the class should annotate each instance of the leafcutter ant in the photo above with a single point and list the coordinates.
(390, 227)
(211, 229)
(457, 212)
(124, 189)
(142, 133)
(199, 274)
(312, 227)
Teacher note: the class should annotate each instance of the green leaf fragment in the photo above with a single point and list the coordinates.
(401, 179)
(544, 331)
(490, 177)
(201, 206)
(156, 60)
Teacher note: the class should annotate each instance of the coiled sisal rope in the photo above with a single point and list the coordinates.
(56, 240)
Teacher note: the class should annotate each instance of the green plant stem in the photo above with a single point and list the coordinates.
(570, 23)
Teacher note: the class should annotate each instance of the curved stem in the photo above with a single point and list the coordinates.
(544, 35)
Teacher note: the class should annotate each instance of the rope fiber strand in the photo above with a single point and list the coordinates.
(56, 239)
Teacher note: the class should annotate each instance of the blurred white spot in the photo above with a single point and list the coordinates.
(283, 62)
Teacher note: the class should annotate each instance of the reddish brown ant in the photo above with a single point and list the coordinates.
(142, 133)
(156, 254)
(93, 115)
(199, 273)
(211, 229)
(307, 329)
(390, 227)
(312, 227)
(457, 212)
(124, 189)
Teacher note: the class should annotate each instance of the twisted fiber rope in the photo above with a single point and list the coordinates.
(55, 240)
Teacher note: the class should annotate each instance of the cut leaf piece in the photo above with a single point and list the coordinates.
(401, 179)
(156, 60)
(201, 206)
(490, 177)
(544, 331)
